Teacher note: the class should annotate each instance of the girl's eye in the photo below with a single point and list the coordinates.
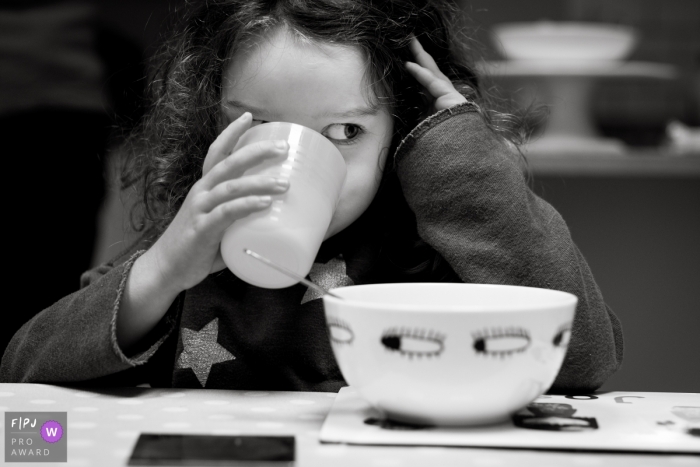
(258, 122)
(343, 133)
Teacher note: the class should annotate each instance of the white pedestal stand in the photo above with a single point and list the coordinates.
(569, 85)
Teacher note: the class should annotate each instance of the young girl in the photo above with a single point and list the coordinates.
(441, 198)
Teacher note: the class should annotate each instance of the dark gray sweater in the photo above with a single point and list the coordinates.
(472, 205)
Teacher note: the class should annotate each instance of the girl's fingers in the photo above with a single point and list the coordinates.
(224, 214)
(435, 86)
(241, 187)
(249, 156)
(226, 141)
(424, 59)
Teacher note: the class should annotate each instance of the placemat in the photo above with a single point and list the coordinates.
(613, 421)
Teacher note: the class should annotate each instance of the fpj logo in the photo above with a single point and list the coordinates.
(36, 436)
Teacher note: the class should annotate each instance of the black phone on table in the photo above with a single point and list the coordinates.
(178, 449)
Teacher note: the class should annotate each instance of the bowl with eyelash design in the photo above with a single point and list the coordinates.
(449, 354)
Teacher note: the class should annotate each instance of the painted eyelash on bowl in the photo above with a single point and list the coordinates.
(563, 335)
(339, 331)
(513, 340)
(413, 342)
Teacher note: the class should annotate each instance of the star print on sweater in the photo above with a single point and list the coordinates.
(201, 350)
(329, 275)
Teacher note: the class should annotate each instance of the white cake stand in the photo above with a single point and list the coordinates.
(570, 128)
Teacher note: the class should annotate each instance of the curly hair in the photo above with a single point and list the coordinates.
(166, 151)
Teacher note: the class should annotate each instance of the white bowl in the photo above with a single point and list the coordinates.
(565, 41)
(449, 354)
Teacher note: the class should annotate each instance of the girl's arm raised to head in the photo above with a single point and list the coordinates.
(467, 189)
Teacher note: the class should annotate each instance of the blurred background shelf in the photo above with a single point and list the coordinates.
(635, 163)
(598, 69)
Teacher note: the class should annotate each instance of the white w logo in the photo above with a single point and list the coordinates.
(51, 432)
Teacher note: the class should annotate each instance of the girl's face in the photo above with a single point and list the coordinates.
(320, 86)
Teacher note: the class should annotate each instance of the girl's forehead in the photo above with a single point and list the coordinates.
(285, 36)
(283, 50)
(280, 71)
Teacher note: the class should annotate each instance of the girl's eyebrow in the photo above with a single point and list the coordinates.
(370, 110)
(358, 112)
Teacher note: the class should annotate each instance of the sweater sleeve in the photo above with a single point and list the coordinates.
(467, 189)
(74, 340)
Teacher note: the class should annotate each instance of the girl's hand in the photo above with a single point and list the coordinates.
(427, 73)
(188, 250)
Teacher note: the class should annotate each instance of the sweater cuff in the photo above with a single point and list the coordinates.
(438, 117)
(155, 338)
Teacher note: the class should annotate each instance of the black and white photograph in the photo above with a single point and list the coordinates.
(306, 233)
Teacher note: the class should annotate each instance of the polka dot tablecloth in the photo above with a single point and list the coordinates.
(104, 424)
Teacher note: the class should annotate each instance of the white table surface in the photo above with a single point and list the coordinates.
(104, 424)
